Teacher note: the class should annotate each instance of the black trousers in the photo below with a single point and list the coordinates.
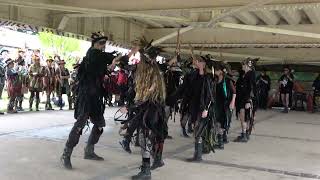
(263, 99)
(77, 129)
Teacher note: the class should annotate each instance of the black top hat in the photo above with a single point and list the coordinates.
(97, 36)
(9, 61)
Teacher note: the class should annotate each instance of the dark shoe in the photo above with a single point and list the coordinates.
(184, 133)
(225, 138)
(50, 107)
(157, 164)
(126, 145)
(169, 137)
(190, 130)
(37, 105)
(90, 154)
(285, 110)
(220, 143)
(65, 158)
(242, 138)
(197, 156)
(206, 150)
(144, 174)
(248, 135)
(12, 111)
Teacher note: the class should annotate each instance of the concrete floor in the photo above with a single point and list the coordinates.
(284, 146)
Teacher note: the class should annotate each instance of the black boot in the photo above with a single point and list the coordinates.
(37, 104)
(242, 138)
(93, 139)
(144, 174)
(47, 106)
(125, 143)
(20, 105)
(248, 135)
(190, 130)
(220, 142)
(197, 156)
(184, 133)
(60, 101)
(90, 154)
(70, 102)
(157, 162)
(225, 138)
(50, 107)
(65, 158)
(10, 108)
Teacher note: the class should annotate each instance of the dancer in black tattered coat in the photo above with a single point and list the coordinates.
(89, 102)
(201, 107)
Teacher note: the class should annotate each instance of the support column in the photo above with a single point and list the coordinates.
(14, 13)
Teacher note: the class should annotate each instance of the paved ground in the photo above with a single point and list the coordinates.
(284, 146)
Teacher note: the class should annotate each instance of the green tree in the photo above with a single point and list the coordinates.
(62, 46)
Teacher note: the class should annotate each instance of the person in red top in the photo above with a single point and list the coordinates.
(122, 84)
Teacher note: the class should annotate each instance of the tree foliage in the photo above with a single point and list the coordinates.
(58, 45)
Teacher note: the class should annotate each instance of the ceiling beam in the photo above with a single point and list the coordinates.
(223, 54)
(313, 14)
(214, 19)
(151, 23)
(89, 11)
(293, 17)
(244, 45)
(271, 7)
(269, 30)
(231, 19)
(269, 17)
(63, 23)
(247, 18)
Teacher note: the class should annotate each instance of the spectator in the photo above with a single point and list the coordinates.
(316, 90)
(49, 81)
(62, 85)
(36, 74)
(263, 86)
(14, 87)
(286, 86)
(22, 80)
(3, 58)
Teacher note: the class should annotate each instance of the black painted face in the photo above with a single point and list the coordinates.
(101, 45)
